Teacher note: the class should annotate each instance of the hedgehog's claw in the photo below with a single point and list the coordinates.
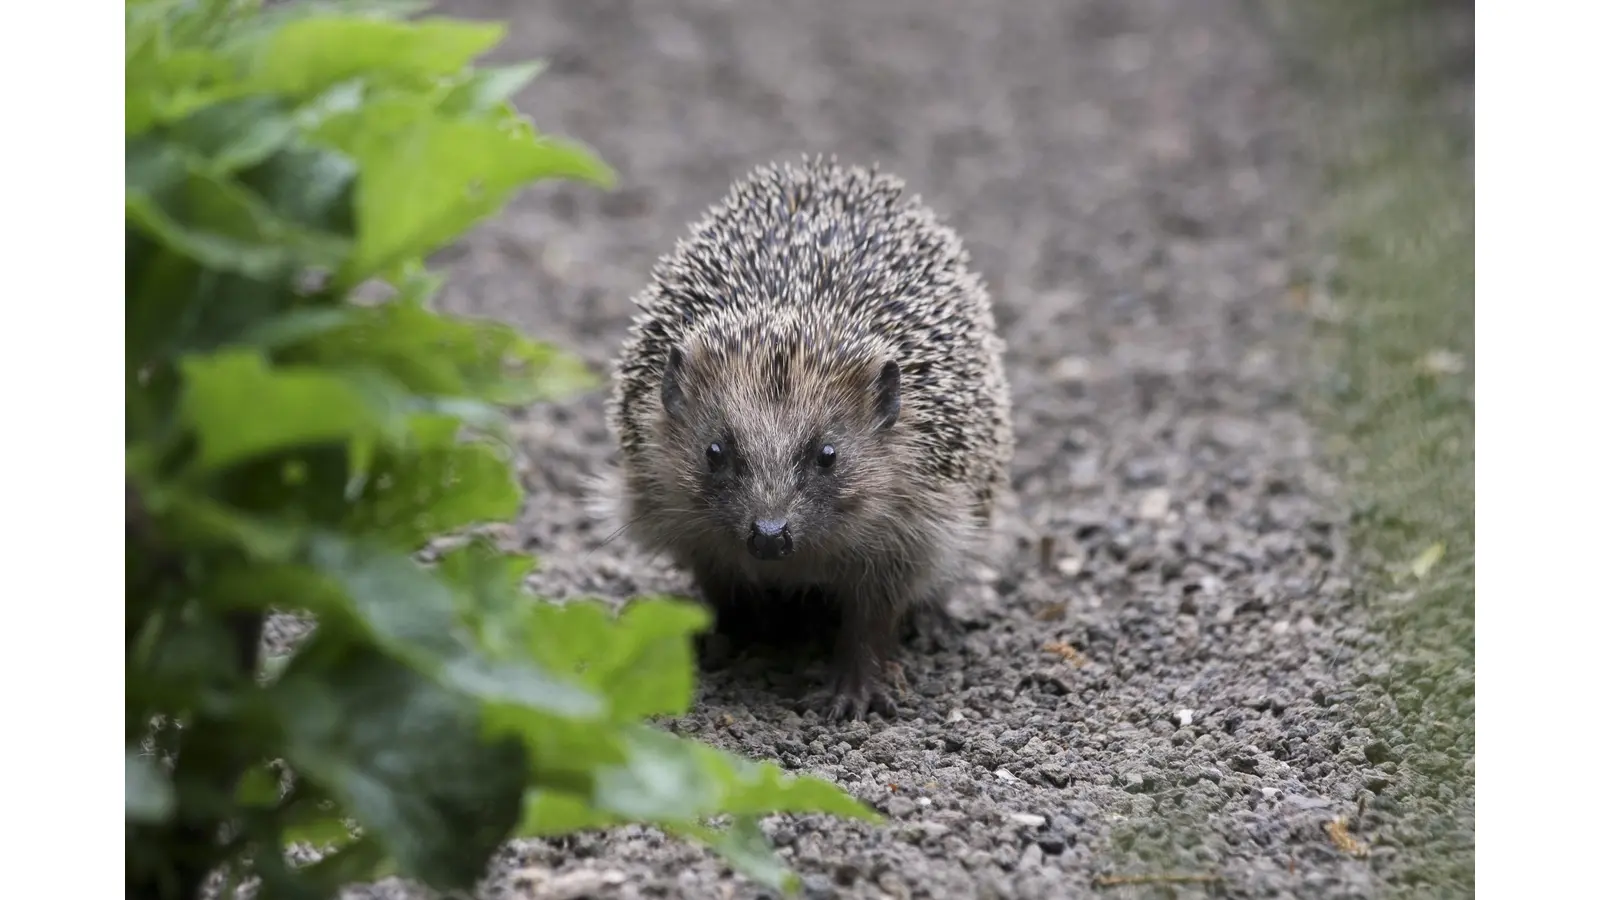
(850, 699)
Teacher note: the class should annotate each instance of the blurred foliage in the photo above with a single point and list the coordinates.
(1392, 131)
(292, 445)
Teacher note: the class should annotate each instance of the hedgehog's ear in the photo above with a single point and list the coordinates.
(886, 394)
(672, 399)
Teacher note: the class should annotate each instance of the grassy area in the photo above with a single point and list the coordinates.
(1389, 118)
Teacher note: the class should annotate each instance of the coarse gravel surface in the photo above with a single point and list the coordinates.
(1156, 679)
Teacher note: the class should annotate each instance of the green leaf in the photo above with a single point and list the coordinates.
(203, 523)
(259, 787)
(668, 778)
(324, 830)
(489, 593)
(240, 407)
(406, 758)
(235, 133)
(643, 659)
(413, 613)
(308, 55)
(438, 355)
(173, 197)
(487, 90)
(412, 496)
(425, 178)
(547, 813)
(745, 846)
(148, 792)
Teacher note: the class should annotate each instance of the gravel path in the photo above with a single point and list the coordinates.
(1116, 169)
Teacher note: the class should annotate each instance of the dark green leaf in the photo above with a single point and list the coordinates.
(202, 522)
(149, 796)
(413, 613)
(312, 188)
(214, 220)
(260, 786)
(235, 133)
(413, 496)
(407, 759)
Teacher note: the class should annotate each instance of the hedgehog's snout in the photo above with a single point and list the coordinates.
(769, 539)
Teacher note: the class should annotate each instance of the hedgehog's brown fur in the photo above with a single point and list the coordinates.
(816, 305)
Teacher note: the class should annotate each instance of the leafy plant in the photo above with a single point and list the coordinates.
(292, 445)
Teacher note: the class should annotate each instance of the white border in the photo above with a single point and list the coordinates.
(1537, 294)
(63, 351)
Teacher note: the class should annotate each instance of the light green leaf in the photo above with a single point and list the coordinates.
(745, 846)
(548, 813)
(487, 89)
(437, 355)
(642, 659)
(241, 408)
(308, 55)
(148, 792)
(425, 179)
(669, 778)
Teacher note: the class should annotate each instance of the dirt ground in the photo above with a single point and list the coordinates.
(1122, 174)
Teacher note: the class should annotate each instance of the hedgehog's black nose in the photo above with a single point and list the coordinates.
(769, 539)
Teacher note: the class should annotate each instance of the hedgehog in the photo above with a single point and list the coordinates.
(811, 398)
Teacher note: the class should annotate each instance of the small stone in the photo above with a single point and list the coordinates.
(1070, 369)
(1443, 362)
(1006, 776)
(924, 801)
(1185, 717)
(1069, 565)
(1028, 820)
(578, 884)
(899, 807)
(955, 716)
(1155, 504)
(1032, 857)
(1281, 627)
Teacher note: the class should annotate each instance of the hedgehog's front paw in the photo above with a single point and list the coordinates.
(851, 696)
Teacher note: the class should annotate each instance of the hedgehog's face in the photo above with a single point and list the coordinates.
(775, 455)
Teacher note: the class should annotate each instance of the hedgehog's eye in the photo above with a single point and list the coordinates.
(715, 456)
(827, 456)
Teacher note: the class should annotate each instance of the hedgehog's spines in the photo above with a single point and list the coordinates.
(852, 248)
